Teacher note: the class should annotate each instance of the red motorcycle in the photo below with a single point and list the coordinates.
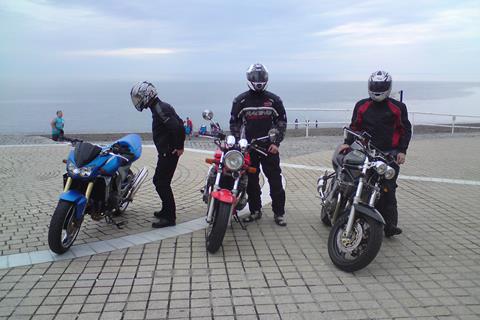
(225, 190)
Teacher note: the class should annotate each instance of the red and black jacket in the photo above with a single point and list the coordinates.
(261, 112)
(387, 122)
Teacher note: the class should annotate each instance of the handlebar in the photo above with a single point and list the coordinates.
(365, 139)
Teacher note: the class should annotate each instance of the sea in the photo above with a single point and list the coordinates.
(105, 107)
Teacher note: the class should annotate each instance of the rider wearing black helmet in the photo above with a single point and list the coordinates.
(386, 120)
(168, 136)
(259, 111)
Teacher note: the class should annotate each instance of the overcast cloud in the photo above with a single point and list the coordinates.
(309, 39)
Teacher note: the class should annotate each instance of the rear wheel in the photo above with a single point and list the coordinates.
(216, 231)
(357, 251)
(64, 227)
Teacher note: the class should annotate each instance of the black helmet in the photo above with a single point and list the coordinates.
(257, 77)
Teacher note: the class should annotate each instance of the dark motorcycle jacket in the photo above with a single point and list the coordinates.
(259, 112)
(167, 127)
(386, 121)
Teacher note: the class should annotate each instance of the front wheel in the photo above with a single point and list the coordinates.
(64, 227)
(216, 232)
(357, 251)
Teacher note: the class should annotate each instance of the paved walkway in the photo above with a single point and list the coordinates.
(432, 271)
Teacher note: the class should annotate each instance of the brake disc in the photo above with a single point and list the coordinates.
(349, 244)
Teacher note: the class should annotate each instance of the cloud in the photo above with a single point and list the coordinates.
(124, 52)
(445, 24)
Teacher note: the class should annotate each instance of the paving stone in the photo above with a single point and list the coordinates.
(265, 272)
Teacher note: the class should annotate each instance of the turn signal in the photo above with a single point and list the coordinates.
(252, 170)
(209, 160)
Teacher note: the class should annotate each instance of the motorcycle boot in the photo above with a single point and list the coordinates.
(162, 223)
(255, 215)
(392, 231)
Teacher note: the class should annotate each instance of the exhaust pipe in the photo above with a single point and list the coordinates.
(321, 184)
(139, 180)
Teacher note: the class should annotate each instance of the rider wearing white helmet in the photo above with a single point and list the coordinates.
(386, 120)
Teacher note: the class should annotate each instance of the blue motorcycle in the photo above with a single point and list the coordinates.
(99, 183)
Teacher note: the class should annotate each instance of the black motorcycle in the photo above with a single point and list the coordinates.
(348, 196)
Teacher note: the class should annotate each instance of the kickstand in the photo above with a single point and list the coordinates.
(240, 222)
(110, 220)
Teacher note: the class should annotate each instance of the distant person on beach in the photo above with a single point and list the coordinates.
(57, 125)
(386, 120)
(260, 111)
(169, 137)
(203, 130)
(296, 123)
(189, 128)
(316, 123)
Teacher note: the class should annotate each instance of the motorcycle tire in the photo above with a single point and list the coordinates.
(373, 244)
(221, 216)
(62, 219)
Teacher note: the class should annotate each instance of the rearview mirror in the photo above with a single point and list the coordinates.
(207, 114)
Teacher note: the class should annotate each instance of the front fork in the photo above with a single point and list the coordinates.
(216, 187)
(211, 205)
(356, 199)
(68, 185)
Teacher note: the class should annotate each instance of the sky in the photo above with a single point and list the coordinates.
(46, 40)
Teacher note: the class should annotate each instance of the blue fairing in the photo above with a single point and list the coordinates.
(108, 164)
(79, 199)
(134, 142)
(112, 165)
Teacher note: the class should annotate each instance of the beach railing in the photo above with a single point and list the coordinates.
(452, 120)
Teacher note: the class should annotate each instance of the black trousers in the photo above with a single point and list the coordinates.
(271, 169)
(166, 165)
(387, 204)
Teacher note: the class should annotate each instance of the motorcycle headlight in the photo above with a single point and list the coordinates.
(85, 172)
(389, 173)
(380, 167)
(233, 160)
(71, 167)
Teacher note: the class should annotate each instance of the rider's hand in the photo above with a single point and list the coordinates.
(273, 149)
(343, 147)
(401, 158)
(178, 152)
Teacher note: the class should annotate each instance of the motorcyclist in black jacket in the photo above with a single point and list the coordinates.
(386, 120)
(169, 137)
(258, 111)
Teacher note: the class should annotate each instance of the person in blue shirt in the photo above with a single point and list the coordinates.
(57, 125)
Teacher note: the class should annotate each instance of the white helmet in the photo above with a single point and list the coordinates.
(257, 77)
(379, 86)
(142, 95)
